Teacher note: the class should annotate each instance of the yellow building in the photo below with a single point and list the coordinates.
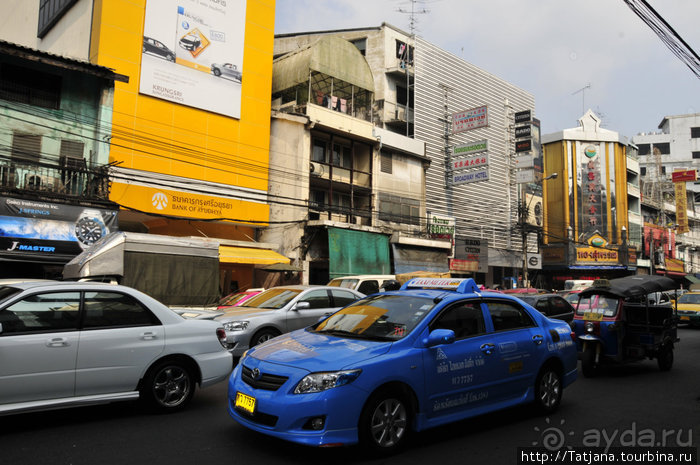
(189, 145)
(586, 207)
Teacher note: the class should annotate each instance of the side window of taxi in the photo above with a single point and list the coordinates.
(464, 318)
(508, 315)
(55, 311)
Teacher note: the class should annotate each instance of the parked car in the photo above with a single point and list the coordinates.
(157, 48)
(237, 298)
(688, 306)
(366, 283)
(551, 305)
(227, 70)
(279, 310)
(435, 351)
(66, 344)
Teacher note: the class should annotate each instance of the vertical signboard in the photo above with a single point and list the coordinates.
(592, 209)
(193, 53)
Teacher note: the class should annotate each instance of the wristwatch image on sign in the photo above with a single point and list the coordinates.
(89, 228)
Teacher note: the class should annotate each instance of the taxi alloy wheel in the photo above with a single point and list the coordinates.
(169, 386)
(385, 422)
(548, 390)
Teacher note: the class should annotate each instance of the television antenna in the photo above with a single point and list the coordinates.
(583, 96)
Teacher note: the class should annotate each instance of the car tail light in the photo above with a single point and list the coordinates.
(573, 335)
(221, 335)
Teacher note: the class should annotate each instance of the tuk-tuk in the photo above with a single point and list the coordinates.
(619, 321)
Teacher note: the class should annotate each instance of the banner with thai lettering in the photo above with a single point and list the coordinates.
(35, 230)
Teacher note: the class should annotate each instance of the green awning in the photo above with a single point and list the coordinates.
(357, 252)
(692, 279)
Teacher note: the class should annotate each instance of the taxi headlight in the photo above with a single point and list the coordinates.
(317, 382)
(236, 325)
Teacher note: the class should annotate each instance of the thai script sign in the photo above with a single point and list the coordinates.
(470, 119)
(470, 148)
(596, 255)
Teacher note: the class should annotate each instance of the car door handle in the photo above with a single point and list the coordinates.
(57, 342)
(487, 348)
(538, 339)
(148, 335)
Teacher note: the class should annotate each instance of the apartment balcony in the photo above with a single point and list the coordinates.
(74, 180)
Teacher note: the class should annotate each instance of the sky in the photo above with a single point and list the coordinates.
(571, 55)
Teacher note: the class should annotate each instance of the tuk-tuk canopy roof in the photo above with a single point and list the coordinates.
(630, 286)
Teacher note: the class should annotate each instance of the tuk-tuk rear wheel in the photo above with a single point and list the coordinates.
(589, 367)
(665, 357)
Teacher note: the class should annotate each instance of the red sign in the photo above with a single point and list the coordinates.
(684, 176)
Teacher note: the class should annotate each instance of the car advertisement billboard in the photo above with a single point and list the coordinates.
(193, 53)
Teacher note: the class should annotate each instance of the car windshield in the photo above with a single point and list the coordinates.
(530, 299)
(381, 317)
(572, 298)
(689, 299)
(272, 298)
(341, 282)
(597, 305)
(231, 299)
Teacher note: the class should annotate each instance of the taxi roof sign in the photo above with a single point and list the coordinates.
(462, 286)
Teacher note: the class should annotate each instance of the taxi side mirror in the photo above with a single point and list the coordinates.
(439, 337)
(302, 305)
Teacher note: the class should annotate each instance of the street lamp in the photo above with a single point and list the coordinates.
(523, 224)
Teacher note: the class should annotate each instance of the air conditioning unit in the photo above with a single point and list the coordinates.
(317, 169)
(401, 114)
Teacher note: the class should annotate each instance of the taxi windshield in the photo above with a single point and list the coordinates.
(382, 317)
(689, 299)
(598, 305)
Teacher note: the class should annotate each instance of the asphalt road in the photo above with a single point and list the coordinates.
(627, 403)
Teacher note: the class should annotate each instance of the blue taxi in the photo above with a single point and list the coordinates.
(433, 352)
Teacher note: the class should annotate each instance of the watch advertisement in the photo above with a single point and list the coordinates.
(193, 53)
(31, 228)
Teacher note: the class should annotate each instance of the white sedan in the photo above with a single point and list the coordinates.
(65, 344)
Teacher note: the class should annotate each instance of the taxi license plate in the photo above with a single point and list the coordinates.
(245, 402)
(685, 318)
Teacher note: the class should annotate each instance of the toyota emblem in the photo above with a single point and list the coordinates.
(256, 374)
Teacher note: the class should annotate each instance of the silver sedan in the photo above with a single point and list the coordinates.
(280, 310)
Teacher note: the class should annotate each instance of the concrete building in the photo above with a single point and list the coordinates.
(354, 192)
(54, 186)
(429, 94)
(676, 147)
(188, 147)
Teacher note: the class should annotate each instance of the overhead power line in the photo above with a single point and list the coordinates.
(666, 33)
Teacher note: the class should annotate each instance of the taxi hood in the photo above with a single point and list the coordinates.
(318, 352)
